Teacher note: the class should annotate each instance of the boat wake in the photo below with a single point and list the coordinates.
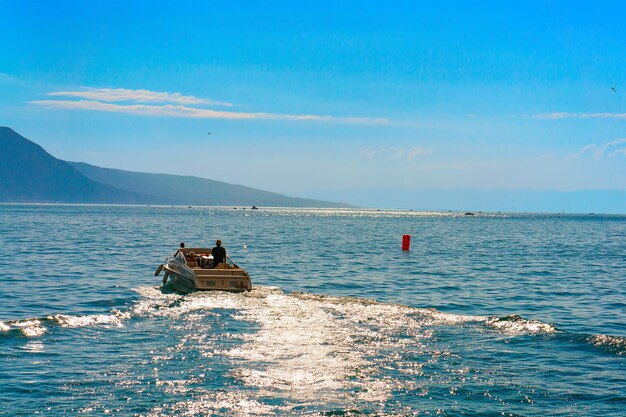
(35, 327)
(518, 325)
(310, 351)
(278, 313)
(613, 344)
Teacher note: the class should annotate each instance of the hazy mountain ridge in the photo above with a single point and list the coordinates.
(30, 174)
(172, 189)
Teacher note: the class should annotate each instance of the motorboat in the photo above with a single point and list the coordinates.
(192, 269)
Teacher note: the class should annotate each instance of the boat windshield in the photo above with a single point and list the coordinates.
(179, 258)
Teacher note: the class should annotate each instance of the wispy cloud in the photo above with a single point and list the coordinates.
(111, 95)
(8, 79)
(611, 148)
(395, 153)
(556, 116)
(155, 103)
(171, 110)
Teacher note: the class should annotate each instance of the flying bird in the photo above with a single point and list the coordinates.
(614, 90)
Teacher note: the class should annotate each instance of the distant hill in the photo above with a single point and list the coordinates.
(30, 174)
(177, 189)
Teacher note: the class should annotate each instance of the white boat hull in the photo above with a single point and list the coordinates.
(186, 279)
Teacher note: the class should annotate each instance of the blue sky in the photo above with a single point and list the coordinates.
(326, 99)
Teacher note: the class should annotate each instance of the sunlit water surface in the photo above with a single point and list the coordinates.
(492, 314)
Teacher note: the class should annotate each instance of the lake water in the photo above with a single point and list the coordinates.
(487, 315)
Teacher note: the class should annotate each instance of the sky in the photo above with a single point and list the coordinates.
(369, 102)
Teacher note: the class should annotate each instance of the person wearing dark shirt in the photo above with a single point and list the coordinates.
(219, 253)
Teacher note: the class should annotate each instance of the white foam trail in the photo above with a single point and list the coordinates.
(30, 328)
(615, 343)
(114, 319)
(316, 348)
(516, 325)
(435, 317)
(308, 350)
(322, 348)
(156, 303)
(311, 349)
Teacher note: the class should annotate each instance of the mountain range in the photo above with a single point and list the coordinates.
(30, 174)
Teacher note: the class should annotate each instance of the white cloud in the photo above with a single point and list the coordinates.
(171, 110)
(417, 151)
(556, 116)
(395, 153)
(154, 103)
(138, 96)
(598, 151)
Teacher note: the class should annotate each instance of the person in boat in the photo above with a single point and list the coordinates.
(219, 253)
(182, 246)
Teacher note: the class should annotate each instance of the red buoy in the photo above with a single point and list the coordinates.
(406, 242)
